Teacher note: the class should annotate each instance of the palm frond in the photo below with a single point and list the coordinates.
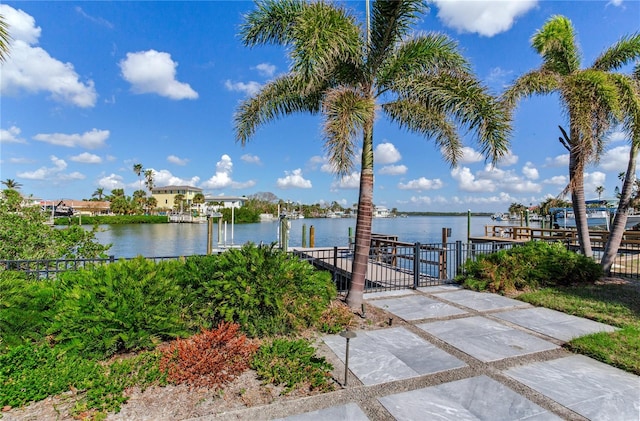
(429, 53)
(324, 39)
(636, 71)
(621, 53)
(391, 21)
(270, 22)
(556, 42)
(430, 123)
(5, 39)
(463, 99)
(346, 111)
(533, 83)
(276, 99)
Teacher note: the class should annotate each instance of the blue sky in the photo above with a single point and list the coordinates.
(91, 88)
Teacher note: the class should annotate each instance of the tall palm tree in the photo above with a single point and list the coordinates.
(632, 126)
(148, 180)
(11, 184)
(137, 169)
(5, 39)
(600, 190)
(592, 99)
(422, 83)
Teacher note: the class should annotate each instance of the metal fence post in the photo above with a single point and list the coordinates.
(458, 258)
(416, 265)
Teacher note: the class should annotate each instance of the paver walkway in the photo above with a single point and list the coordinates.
(464, 355)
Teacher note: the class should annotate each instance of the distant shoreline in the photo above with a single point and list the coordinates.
(444, 213)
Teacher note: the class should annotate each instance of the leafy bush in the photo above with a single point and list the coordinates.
(124, 306)
(335, 318)
(112, 220)
(532, 265)
(263, 289)
(293, 364)
(33, 372)
(210, 359)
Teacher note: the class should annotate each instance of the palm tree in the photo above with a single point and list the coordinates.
(11, 184)
(148, 180)
(592, 99)
(99, 193)
(5, 39)
(137, 169)
(422, 83)
(600, 190)
(632, 125)
(178, 201)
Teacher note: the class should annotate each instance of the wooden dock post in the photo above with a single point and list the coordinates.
(312, 236)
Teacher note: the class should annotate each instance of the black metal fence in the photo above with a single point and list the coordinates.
(392, 264)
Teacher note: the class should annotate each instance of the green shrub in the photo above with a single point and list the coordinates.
(33, 372)
(529, 266)
(112, 220)
(25, 308)
(263, 289)
(124, 306)
(292, 363)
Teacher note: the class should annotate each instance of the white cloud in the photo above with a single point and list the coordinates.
(31, 69)
(348, 182)
(557, 180)
(470, 155)
(266, 69)
(467, 181)
(615, 159)
(393, 170)
(251, 159)
(557, 161)
(499, 78)
(86, 158)
(154, 72)
(293, 179)
(321, 161)
(618, 136)
(21, 160)
(593, 180)
(111, 182)
(508, 180)
(222, 178)
(486, 18)
(249, 88)
(11, 135)
(99, 21)
(421, 183)
(386, 153)
(55, 173)
(615, 2)
(176, 160)
(530, 171)
(163, 178)
(89, 140)
(508, 160)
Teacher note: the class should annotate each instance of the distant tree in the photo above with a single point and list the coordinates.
(148, 180)
(12, 184)
(179, 201)
(553, 202)
(137, 169)
(99, 193)
(516, 208)
(600, 190)
(151, 204)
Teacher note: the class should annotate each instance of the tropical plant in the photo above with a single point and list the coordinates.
(148, 180)
(5, 39)
(99, 193)
(179, 201)
(420, 82)
(632, 126)
(137, 169)
(593, 98)
(600, 190)
(11, 184)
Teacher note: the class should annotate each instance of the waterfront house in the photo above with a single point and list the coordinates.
(381, 212)
(165, 196)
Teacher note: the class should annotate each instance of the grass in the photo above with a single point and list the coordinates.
(616, 304)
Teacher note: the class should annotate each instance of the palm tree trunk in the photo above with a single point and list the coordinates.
(620, 220)
(363, 223)
(576, 178)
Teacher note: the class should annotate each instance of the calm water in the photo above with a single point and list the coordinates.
(187, 239)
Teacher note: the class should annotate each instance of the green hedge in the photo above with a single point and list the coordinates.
(112, 220)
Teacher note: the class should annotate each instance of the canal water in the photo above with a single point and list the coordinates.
(157, 240)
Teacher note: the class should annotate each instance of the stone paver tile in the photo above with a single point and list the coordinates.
(480, 301)
(385, 355)
(476, 398)
(417, 307)
(593, 389)
(554, 323)
(485, 339)
(391, 293)
(348, 412)
(440, 288)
